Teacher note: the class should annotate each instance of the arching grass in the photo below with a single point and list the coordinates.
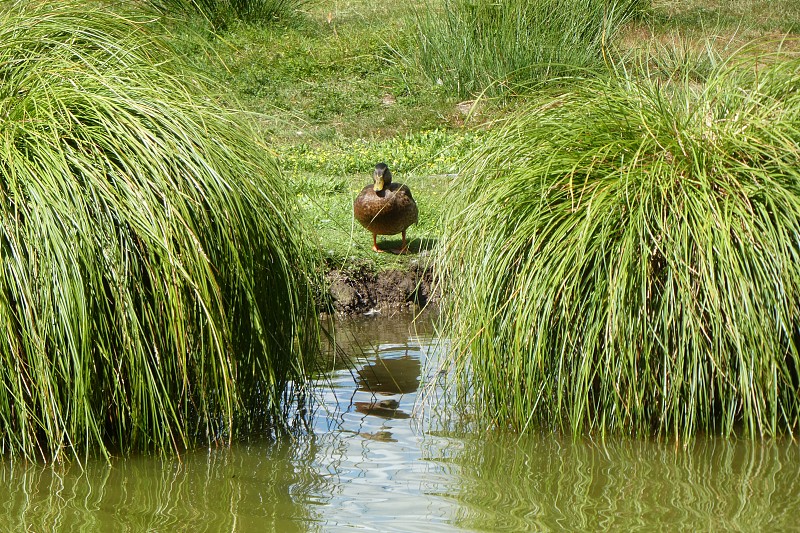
(475, 46)
(625, 258)
(154, 285)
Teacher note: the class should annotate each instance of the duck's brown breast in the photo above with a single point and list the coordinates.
(387, 212)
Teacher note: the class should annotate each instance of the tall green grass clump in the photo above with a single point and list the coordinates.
(154, 288)
(477, 46)
(221, 13)
(625, 257)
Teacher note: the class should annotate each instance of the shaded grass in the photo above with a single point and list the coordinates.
(221, 13)
(155, 290)
(623, 258)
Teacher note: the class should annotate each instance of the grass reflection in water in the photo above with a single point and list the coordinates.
(547, 483)
(258, 486)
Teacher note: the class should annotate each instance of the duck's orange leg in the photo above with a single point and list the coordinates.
(404, 246)
(375, 243)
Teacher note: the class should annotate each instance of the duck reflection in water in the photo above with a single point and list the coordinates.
(395, 375)
(388, 376)
(381, 408)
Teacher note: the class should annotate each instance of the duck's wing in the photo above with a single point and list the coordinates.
(403, 190)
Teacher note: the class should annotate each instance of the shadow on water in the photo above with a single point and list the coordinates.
(372, 464)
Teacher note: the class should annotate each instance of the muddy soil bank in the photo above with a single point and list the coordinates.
(365, 291)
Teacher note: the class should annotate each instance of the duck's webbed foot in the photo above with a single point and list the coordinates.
(375, 244)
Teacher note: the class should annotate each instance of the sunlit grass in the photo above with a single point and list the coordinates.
(433, 152)
(694, 37)
(698, 16)
(471, 47)
(624, 257)
(154, 285)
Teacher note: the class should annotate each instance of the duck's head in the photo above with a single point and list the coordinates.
(382, 176)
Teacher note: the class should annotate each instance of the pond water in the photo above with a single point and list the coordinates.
(373, 464)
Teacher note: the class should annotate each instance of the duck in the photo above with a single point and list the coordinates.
(385, 208)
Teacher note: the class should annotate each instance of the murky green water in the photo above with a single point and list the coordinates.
(371, 467)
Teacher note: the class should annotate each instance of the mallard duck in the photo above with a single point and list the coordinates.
(385, 208)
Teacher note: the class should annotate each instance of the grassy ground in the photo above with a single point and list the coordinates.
(332, 74)
(751, 16)
(337, 97)
(340, 88)
(699, 34)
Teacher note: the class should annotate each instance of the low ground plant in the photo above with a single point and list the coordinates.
(624, 257)
(431, 152)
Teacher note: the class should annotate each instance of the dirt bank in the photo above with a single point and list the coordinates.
(362, 290)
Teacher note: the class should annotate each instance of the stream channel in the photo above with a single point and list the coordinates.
(374, 462)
